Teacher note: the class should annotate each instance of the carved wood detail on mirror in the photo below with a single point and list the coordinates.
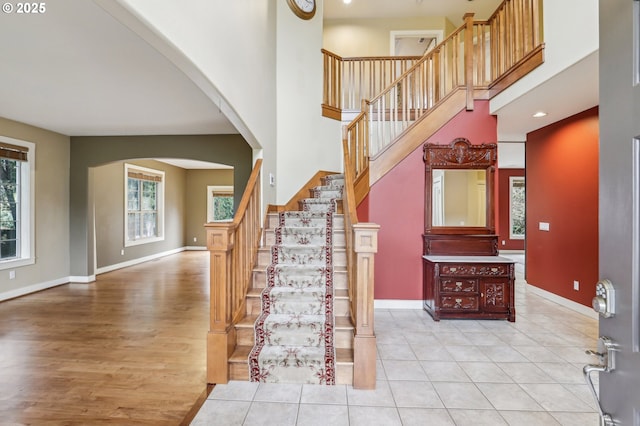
(459, 198)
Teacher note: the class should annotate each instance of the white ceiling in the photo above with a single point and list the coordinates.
(454, 10)
(77, 71)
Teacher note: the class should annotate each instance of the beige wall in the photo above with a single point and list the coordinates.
(196, 201)
(371, 37)
(185, 210)
(109, 212)
(51, 209)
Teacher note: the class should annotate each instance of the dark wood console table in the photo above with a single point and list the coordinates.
(478, 287)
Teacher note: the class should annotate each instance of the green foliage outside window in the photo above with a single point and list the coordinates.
(517, 208)
(9, 208)
(223, 207)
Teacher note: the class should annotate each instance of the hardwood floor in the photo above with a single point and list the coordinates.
(129, 349)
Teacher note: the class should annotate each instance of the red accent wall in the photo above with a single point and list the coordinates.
(396, 203)
(504, 242)
(562, 189)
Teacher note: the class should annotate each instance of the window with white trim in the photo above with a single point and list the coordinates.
(516, 207)
(144, 205)
(16, 201)
(219, 203)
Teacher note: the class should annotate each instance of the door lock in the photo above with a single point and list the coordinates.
(604, 300)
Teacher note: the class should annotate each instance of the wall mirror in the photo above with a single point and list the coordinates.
(459, 188)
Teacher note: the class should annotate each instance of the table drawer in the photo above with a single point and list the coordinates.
(475, 270)
(459, 303)
(461, 285)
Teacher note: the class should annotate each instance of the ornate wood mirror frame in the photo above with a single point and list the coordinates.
(460, 154)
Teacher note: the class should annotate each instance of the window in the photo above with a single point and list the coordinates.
(219, 203)
(516, 207)
(144, 213)
(16, 199)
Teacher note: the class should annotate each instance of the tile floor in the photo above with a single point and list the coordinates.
(452, 372)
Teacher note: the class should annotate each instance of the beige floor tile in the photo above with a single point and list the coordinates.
(425, 416)
(463, 417)
(323, 415)
(374, 416)
(415, 395)
(461, 395)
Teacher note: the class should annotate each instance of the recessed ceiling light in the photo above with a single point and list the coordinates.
(539, 114)
(346, 1)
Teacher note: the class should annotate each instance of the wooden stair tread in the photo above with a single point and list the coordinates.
(341, 322)
(241, 354)
(337, 293)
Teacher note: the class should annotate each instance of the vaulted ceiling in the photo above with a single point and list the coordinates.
(77, 71)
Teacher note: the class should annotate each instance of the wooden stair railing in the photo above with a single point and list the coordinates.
(361, 246)
(233, 248)
(482, 57)
(349, 80)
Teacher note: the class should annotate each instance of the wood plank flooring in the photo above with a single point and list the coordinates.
(129, 349)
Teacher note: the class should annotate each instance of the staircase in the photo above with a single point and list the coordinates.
(301, 260)
(476, 61)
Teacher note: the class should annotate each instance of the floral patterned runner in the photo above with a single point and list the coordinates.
(294, 332)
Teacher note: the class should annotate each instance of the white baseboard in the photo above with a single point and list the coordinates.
(81, 279)
(137, 261)
(12, 294)
(195, 248)
(397, 304)
(570, 304)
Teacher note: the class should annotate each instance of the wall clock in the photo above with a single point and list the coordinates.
(304, 9)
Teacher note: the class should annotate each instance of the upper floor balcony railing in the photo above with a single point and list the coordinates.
(483, 57)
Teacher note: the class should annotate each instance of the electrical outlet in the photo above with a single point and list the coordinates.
(576, 285)
(195, 239)
(504, 242)
(12, 275)
(122, 252)
(543, 226)
(272, 179)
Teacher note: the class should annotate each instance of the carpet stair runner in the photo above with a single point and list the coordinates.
(294, 331)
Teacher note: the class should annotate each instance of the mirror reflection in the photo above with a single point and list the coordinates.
(459, 197)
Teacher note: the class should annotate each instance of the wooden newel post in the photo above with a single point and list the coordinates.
(468, 58)
(221, 338)
(365, 242)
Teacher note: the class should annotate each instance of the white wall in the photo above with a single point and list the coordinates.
(263, 66)
(307, 142)
(227, 48)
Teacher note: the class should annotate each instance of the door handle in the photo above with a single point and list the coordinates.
(606, 355)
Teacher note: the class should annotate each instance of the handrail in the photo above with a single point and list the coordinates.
(348, 80)
(361, 246)
(416, 91)
(233, 248)
(477, 55)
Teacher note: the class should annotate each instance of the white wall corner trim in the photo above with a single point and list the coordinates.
(397, 304)
(12, 294)
(137, 261)
(577, 307)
